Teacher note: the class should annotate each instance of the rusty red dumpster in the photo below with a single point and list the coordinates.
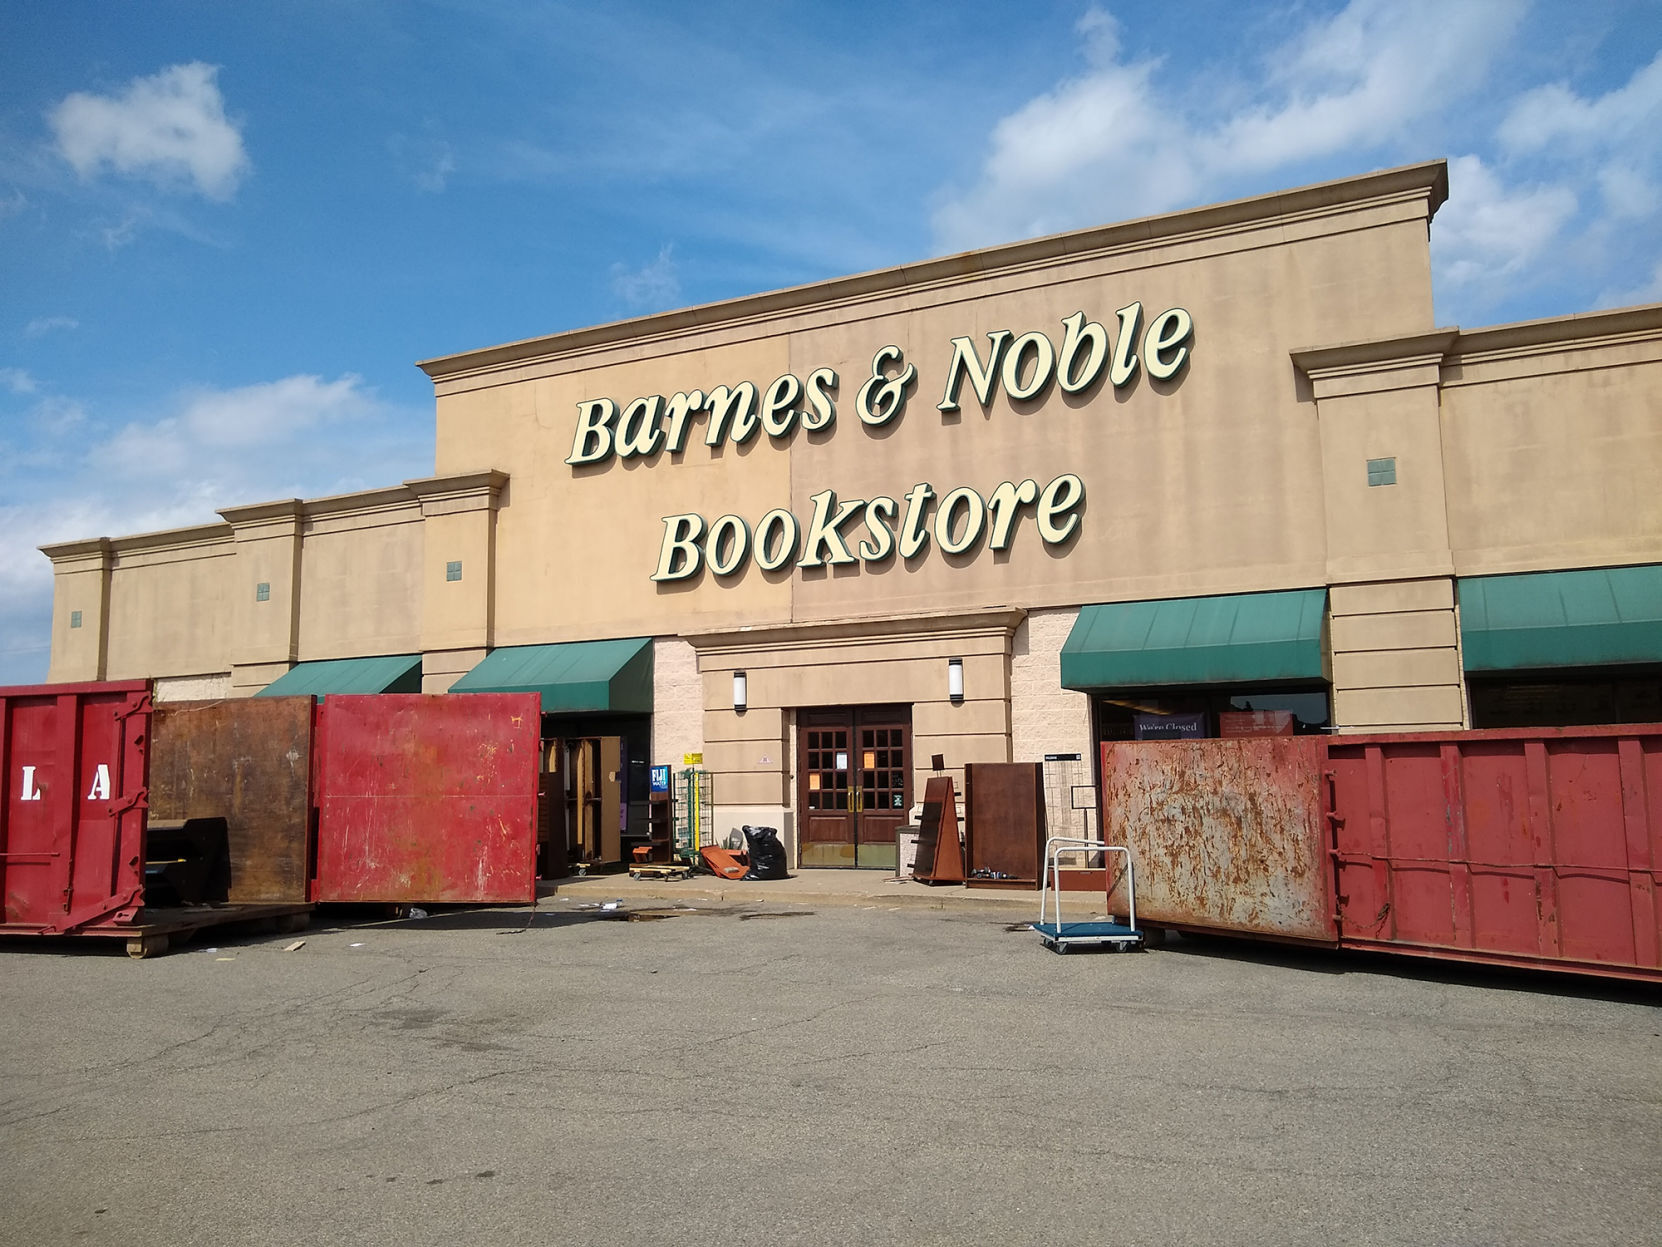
(73, 776)
(1227, 835)
(1535, 847)
(427, 798)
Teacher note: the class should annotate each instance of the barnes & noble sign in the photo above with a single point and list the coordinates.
(871, 530)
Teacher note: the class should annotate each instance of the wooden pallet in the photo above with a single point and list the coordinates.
(659, 870)
(155, 930)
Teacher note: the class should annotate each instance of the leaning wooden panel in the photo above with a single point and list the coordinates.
(249, 761)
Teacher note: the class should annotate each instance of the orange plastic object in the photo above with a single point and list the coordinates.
(725, 862)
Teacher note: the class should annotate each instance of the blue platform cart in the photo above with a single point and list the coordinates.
(1062, 936)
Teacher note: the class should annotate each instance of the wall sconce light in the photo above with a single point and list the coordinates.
(955, 680)
(741, 690)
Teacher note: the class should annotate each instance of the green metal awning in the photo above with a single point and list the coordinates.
(614, 676)
(397, 673)
(1243, 637)
(1596, 618)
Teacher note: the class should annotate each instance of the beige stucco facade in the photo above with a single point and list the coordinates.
(1278, 345)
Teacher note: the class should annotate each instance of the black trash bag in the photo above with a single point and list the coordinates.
(767, 854)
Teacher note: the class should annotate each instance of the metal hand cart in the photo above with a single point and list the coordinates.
(1060, 935)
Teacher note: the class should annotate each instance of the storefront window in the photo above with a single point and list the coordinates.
(1567, 699)
(1189, 713)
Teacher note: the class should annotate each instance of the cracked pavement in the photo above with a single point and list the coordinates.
(865, 1075)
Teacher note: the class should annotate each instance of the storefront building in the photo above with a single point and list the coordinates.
(1213, 472)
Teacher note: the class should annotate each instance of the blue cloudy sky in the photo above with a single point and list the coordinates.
(227, 231)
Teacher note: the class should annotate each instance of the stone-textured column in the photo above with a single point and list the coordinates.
(80, 610)
(265, 601)
(458, 579)
(1394, 636)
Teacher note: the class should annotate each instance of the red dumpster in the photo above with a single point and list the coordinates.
(73, 761)
(1227, 835)
(1534, 847)
(427, 798)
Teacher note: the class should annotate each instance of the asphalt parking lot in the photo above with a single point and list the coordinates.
(767, 1074)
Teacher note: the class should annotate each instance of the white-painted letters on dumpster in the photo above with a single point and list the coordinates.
(100, 783)
(30, 792)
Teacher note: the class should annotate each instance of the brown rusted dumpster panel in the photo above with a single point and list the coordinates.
(72, 793)
(1539, 848)
(1225, 834)
(248, 761)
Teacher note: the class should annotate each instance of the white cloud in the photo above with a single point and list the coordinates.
(1554, 118)
(1648, 290)
(301, 436)
(17, 381)
(652, 287)
(215, 429)
(1487, 231)
(1627, 193)
(169, 128)
(42, 325)
(1112, 143)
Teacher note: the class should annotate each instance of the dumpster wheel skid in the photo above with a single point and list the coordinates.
(155, 931)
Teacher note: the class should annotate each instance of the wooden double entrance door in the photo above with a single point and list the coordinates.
(854, 784)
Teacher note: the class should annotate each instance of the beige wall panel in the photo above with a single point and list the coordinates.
(1557, 471)
(78, 653)
(1384, 529)
(1386, 707)
(249, 678)
(442, 668)
(758, 724)
(969, 717)
(677, 701)
(732, 757)
(1391, 596)
(168, 613)
(957, 751)
(1045, 717)
(748, 788)
(361, 592)
(1409, 630)
(1393, 668)
(1599, 351)
(455, 614)
(265, 631)
(856, 650)
(856, 684)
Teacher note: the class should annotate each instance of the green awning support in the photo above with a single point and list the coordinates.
(1597, 618)
(398, 673)
(573, 678)
(1234, 639)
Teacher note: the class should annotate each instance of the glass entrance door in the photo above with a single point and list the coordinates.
(854, 784)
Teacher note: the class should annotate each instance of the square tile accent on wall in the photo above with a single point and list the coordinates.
(262, 591)
(1382, 471)
(453, 571)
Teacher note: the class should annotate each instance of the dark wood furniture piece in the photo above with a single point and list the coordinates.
(660, 828)
(940, 854)
(1004, 806)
